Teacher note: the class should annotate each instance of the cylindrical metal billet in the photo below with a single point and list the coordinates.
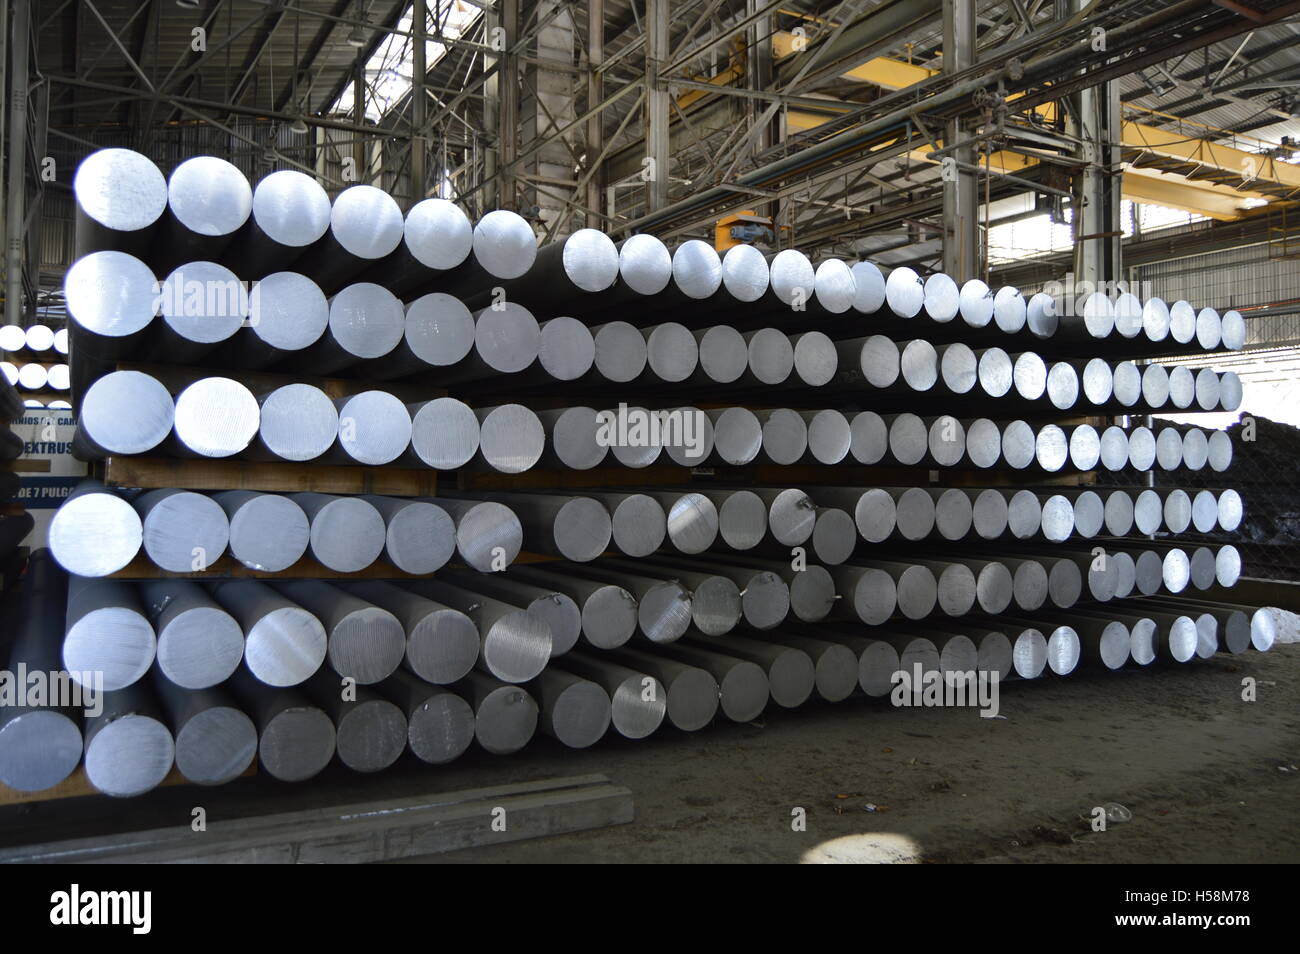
(370, 731)
(182, 531)
(364, 642)
(123, 412)
(515, 643)
(120, 197)
(365, 226)
(639, 525)
(374, 428)
(109, 639)
(296, 739)
(199, 644)
(439, 723)
(441, 643)
(267, 531)
(663, 605)
(40, 745)
(297, 422)
(791, 675)
(283, 642)
(290, 211)
(129, 749)
(835, 666)
(608, 611)
(347, 533)
(511, 438)
(208, 202)
(505, 716)
(559, 610)
(638, 701)
(575, 711)
(215, 417)
(215, 741)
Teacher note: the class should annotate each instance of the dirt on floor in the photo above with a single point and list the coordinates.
(1207, 777)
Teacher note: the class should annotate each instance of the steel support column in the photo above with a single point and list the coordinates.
(1097, 238)
(15, 206)
(960, 183)
(419, 71)
(359, 157)
(657, 103)
(595, 93)
(508, 105)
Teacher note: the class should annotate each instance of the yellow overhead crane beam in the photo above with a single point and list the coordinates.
(1140, 185)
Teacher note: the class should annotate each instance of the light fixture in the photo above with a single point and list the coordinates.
(188, 4)
(298, 127)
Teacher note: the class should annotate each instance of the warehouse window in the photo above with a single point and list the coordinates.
(389, 69)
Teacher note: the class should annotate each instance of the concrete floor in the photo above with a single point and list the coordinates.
(1207, 777)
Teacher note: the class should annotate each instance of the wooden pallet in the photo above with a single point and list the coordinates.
(77, 785)
(273, 477)
(796, 475)
(228, 568)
